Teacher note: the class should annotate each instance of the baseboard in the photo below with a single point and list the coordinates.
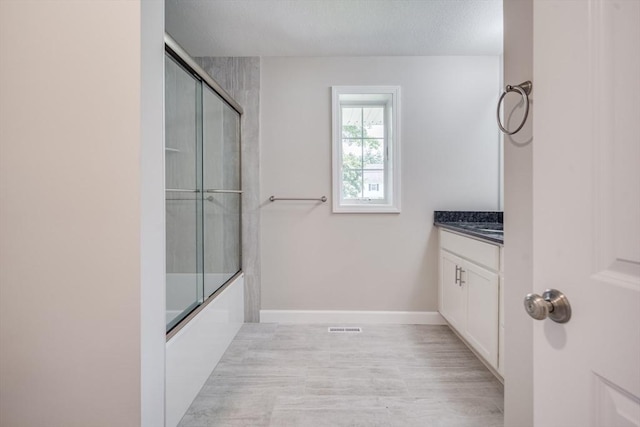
(362, 317)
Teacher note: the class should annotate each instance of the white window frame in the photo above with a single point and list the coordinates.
(391, 203)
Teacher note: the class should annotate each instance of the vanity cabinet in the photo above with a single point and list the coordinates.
(469, 292)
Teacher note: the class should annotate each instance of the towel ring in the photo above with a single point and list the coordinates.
(524, 89)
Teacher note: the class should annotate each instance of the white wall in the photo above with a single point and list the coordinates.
(75, 294)
(316, 260)
(152, 215)
(518, 207)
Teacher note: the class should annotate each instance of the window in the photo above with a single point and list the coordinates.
(366, 149)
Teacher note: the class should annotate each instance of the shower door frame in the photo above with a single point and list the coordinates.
(178, 54)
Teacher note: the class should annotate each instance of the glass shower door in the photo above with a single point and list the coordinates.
(203, 188)
(221, 183)
(183, 201)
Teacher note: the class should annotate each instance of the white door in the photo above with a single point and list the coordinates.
(586, 215)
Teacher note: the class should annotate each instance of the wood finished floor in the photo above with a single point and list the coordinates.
(389, 375)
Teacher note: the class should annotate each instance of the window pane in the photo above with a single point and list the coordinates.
(373, 122)
(352, 153)
(373, 184)
(351, 122)
(373, 154)
(351, 183)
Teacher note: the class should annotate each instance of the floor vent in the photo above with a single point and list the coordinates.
(345, 329)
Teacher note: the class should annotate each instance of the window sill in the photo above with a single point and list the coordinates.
(366, 209)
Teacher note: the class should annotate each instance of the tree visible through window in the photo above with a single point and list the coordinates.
(362, 152)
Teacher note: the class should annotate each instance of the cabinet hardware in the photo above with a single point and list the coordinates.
(459, 272)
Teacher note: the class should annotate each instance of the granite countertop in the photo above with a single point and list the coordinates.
(482, 225)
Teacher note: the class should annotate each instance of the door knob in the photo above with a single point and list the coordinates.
(552, 304)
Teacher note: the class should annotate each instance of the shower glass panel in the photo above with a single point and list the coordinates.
(184, 247)
(203, 188)
(221, 175)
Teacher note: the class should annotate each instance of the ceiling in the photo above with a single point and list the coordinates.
(336, 27)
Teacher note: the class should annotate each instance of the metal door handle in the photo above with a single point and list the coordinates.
(459, 272)
(552, 304)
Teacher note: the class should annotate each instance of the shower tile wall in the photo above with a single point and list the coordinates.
(241, 78)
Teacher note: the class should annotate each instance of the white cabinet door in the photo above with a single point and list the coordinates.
(452, 297)
(482, 311)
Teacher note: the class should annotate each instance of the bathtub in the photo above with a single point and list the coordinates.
(193, 352)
